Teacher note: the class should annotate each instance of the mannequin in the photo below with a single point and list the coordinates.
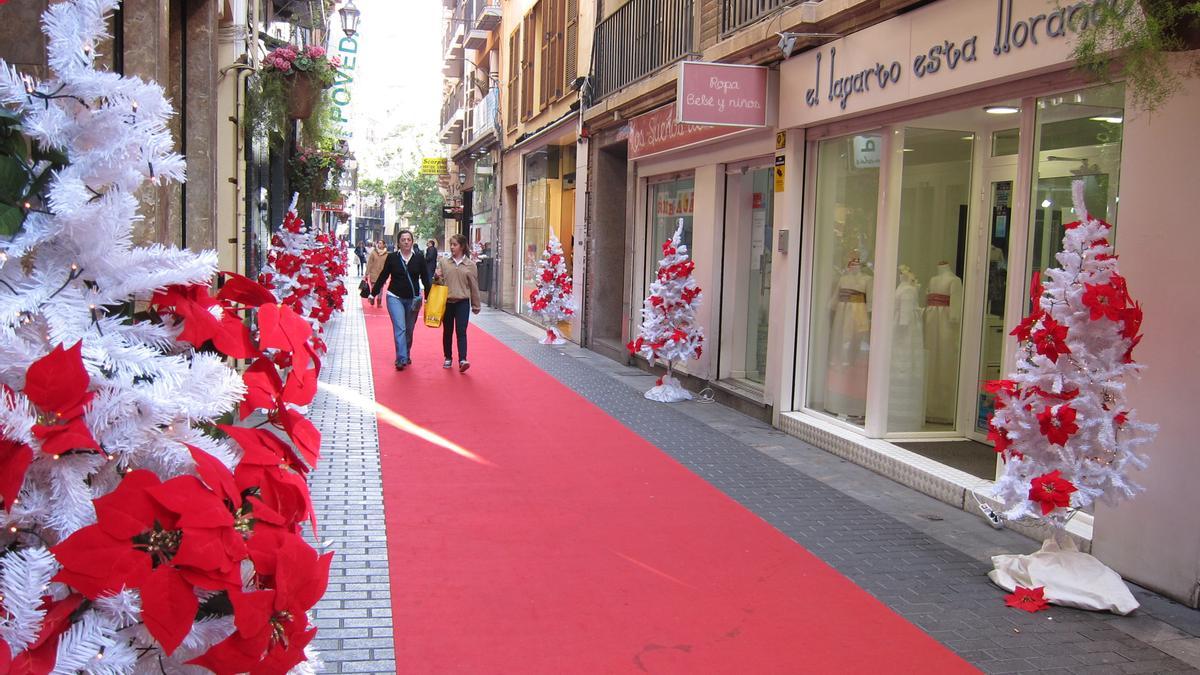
(849, 343)
(943, 334)
(906, 386)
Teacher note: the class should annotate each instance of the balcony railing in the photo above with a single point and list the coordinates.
(639, 39)
(452, 114)
(485, 116)
(738, 13)
(457, 26)
(487, 14)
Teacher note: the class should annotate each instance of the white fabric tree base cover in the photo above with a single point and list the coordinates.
(670, 391)
(552, 337)
(1070, 578)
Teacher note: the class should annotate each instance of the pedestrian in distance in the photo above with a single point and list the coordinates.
(461, 277)
(431, 254)
(375, 262)
(409, 280)
(360, 252)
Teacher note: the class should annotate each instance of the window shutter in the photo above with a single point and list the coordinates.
(571, 45)
(528, 52)
(514, 76)
(549, 45)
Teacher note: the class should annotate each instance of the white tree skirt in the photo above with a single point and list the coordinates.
(1070, 578)
(669, 391)
(552, 337)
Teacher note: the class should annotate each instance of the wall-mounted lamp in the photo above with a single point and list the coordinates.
(349, 15)
(462, 178)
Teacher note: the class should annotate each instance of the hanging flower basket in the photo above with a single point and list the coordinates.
(302, 95)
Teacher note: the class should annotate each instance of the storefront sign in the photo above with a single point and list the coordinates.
(657, 131)
(866, 152)
(434, 166)
(939, 48)
(721, 94)
(331, 206)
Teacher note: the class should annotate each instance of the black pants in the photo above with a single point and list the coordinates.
(454, 321)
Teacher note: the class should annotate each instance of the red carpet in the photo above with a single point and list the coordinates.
(551, 539)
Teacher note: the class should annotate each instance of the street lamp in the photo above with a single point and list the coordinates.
(349, 15)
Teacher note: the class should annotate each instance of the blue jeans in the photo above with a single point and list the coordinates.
(404, 319)
(454, 324)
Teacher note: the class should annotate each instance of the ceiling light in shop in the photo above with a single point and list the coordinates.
(968, 138)
(1001, 109)
(909, 150)
(1046, 203)
(1111, 119)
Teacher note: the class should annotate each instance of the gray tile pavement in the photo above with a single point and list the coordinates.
(354, 618)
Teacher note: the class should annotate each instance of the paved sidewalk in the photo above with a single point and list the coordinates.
(926, 560)
(355, 616)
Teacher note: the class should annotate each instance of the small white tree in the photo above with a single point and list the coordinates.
(551, 300)
(669, 331)
(1062, 424)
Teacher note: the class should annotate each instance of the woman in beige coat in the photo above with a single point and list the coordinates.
(375, 263)
(462, 284)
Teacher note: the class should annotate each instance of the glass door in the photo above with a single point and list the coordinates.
(746, 275)
(999, 185)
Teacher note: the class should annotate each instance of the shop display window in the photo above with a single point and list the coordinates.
(927, 322)
(668, 202)
(847, 195)
(746, 279)
(535, 225)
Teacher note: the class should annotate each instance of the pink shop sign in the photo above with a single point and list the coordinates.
(722, 94)
(657, 131)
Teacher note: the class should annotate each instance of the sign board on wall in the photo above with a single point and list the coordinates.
(722, 94)
(657, 131)
(935, 50)
(434, 166)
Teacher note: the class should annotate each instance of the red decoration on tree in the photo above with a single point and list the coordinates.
(552, 299)
(1051, 491)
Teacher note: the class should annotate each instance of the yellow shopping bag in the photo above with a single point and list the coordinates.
(435, 305)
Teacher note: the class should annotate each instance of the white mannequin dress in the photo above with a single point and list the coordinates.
(906, 385)
(849, 346)
(943, 336)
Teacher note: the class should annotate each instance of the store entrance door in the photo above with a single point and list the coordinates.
(990, 284)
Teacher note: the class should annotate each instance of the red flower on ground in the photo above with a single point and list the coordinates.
(1050, 340)
(163, 539)
(1057, 423)
(1051, 491)
(1027, 599)
(57, 384)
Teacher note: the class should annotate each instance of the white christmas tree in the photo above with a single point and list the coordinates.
(135, 526)
(1062, 424)
(669, 331)
(304, 272)
(551, 299)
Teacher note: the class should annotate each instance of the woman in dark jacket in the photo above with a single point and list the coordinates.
(408, 273)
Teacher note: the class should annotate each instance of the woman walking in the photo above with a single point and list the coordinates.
(408, 273)
(375, 262)
(462, 298)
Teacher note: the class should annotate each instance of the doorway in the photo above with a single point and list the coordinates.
(606, 260)
(746, 273)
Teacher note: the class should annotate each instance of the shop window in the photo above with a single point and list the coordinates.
(847, 189)
(669, 202)
(1078, 138)
(928, 316)
(535, 226)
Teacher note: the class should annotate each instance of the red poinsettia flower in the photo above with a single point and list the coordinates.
(1051, 491)
(269, 469)
(15, 458)
(668, 249)
(243, 290)
(272, 624)
(555, 258)
(1050, 339)
(1105, 301)
(163, 539)
(1072, 225)
(41, 655)
(547, 275)
(690, 294)
(1024, 330)
(1028, 599)
(57, 384)
(1131, 321)
(1057, 423)
(205, 319)
(998, 436)
(1035, 292)
(1121, 418)
(998, 387)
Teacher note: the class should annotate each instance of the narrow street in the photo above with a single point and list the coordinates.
(630, 560)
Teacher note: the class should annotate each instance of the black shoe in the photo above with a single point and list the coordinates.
(399, 365)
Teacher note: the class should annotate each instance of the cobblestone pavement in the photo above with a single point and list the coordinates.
(924, 559)
(355, 616)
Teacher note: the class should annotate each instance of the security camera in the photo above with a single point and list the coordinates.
(787, 40)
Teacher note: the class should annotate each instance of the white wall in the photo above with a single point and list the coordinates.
(1155, 539)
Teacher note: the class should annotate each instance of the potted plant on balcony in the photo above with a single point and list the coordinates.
(290, 86)
(1141, 34)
